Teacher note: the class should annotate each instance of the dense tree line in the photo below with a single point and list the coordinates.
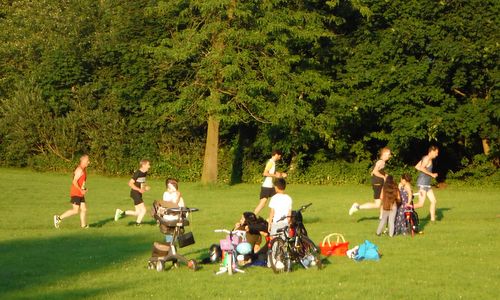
(206, 88)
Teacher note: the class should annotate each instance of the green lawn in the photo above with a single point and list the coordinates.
(458, 257)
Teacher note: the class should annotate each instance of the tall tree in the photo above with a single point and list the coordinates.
(249, 62)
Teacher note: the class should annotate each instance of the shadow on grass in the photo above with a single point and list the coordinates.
(101, 223)
(32, 264)
(367, 219)
(310, 220)
(439, 216)
(152, 222)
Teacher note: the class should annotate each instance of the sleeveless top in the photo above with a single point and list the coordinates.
(74, 192)
(404, 196)
(377, 180)
(424, 179)
(268, 181)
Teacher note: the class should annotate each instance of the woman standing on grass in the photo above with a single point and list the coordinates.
(406, 197)
(390, 199)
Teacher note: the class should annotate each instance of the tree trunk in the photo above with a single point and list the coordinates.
(209, 174)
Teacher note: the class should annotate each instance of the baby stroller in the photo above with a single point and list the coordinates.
(412, 220)
(172, 221)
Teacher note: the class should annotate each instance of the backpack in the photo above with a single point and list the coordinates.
(367, 251)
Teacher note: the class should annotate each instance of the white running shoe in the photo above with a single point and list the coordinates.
(57, 221)
(118, 214)
(354, 208)
(279, 265)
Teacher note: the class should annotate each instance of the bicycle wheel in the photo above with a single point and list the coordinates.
(409, 225)
(280, 260)
(309, 254)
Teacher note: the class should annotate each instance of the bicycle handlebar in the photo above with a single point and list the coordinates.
(233, 232)
(301, 209)
(304, 207)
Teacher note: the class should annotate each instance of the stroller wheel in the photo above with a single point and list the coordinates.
(192, 265)
(159, 266)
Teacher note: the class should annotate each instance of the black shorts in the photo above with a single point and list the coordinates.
(136, 196)
(377, 190)
(377, 184)
(77, 200)
(266, 192)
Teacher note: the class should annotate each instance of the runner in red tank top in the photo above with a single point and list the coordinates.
(77, 194)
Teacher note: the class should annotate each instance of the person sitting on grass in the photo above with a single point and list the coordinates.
(390, 198)
(281, 207)
(138, 187)
(255, 227)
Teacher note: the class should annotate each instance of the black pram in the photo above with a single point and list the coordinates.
(171, 220)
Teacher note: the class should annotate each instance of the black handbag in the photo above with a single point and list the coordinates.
(185, 239)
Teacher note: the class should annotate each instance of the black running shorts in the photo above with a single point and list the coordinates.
(136, 196)
(77, 200)
(266, 192)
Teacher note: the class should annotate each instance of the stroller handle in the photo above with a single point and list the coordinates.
(181, 209)
(222, 230)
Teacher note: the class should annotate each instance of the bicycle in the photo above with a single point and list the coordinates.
(291, 244)
(412, 220)
(228, 246)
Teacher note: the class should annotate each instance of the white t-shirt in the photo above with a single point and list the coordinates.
(172, 197)
(268, 181)
(282, 204)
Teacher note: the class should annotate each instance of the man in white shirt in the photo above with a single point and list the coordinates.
(267, 188)
(281, 207)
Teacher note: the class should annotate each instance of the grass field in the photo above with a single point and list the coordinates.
(456, 258)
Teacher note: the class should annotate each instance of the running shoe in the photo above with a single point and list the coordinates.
(118, 214)
(85, 227)
(57, 221)
(354, 208)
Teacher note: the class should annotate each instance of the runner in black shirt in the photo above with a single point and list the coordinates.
(138, 186)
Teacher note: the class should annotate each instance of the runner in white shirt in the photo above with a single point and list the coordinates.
(267, 188)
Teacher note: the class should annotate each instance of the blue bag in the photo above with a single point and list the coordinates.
(367, 251)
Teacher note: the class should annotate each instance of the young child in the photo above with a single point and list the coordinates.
(406, 194)
(138, 187)
(267, 189)
(378, 177)
(425, 175)
(281, 206)
(77, 194)
(390, 198)
(172, 193)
